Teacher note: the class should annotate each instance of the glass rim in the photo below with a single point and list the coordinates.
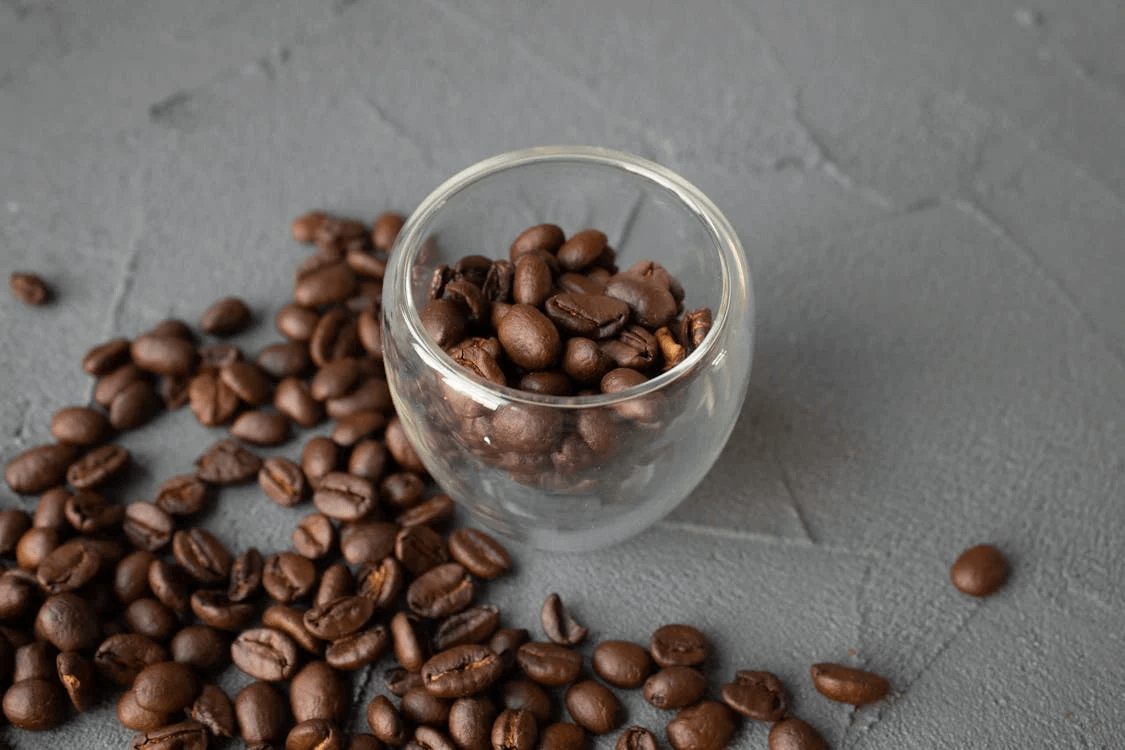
(411, 239)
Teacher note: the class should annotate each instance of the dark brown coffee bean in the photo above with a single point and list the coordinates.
(357, 650)
(474, 625)
(288, 577)
(247, 381)
(471, 298)
(89, 513)
(291, 621)
(694, 328)
(171, 584)
(705, 726)
(670, 349)
(435, 511)
(39, 468)
(263, 714)
(29, 288)
(105, 358)
(594, 707)
(79, 425)
(562, 736)
(13, 524)
(172, 328)
(526, 429)
(621, 663)
(305, 227)
(633, 348)
(506, 641)
(547, 238)
(214, 710)
(319, 692)
(335, 379)
(371, 394)
(50, 511)
(344, 497)
(636, 738)
(329, 284)
(385, 721)
(335, 582)
(381, 581)
(529, 338)
(339, 618)
(558, 624)
(480, 357)
(218, 611)
(261, 428)
(461, 671)
(245, 575)
(132, 716)
(441, 591)
(679, 646)
(282, 481)
(286, 360)
(581, 250)
(34, 546)
(848, 685)
(135, 404)
(319, 458)
(215, 357)
(420, 548)
(113, 383)
(759, 695)
(351, 429)
(528, 696)
(147, 526)
(265, 654)
(369, 328)
(402, 490)
(515, 730)
(368, 459)
(164, 355)
(202, 555)
(594, 316)
(446, 320)
(401, 449)
(77, 676)
(653, 305)
(794, 734)
(166, 687)
(296, 323)
(182, 495)
(201, 647)
(35, 705)
(228, 316)
(68, 567)
(130, 578)
(470, 723)
(549, 663)
(293, 400)
(17, 597)
(980, 571)
(385, 230)
(367, 541)
(336, 336)
(120, 658)
(211, 400)
(365, 742)
(67, 621)
(419, 706)
(365, 264)
(151, 618)
(675, 687)
(34, 661)
(407, 642)
(174, 391)
(314, 734)
(227, 462)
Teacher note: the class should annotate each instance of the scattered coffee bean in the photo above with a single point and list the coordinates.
(34, 661)
(381, 581)
(227, 462)
(368, 542)
(217, 610)
(980, 570)
(215, 711)
(164, 355)
(135, 404)
(288, 577)
(319, 692)
(79, 425)
(245, 575)
(794, 734)
(339, 618)
(558, 624)
(549, 663)
(420, 706)
(474, 625)
(39, 468)
(103, 359)
(262, 713)
(621, 663)
(68, 622)
(226, 317)
(526, 695)
(76, 674)
(132, 716)
(149, 617)
(356, 651)
(674, 688)
(261, 428)
(148, 526)
(344, 497)
(265, 654)
(29, 288)
(562, 736)
(314, 734)
(515, 730)
(704, 726)
(183, 495)
(35, 705)
(848, 685)
(120, 658)
(636, 738)
(201, 647)
(441, 591)
(679, 646)
(594, 707)
(759, 695)
(385, 230)
(171, 584)
(166, 687)
(202, 555)
(461, 671)
(386, 722)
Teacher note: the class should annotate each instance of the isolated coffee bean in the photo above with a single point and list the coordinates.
(848, 685)
(147, 526)
(35, 705)
(558, 624)
(461, 671)
(217, 610)
(39, 468)
(164, 355)
(149, 617)
(79, 425)
(759, 695)
(562, 736)
(285, 360)
(357, 650)
(529, 338)
(419, 706)
(636, 738)
(182, 495)
(980, 570)
(344, 497)
(549, 663)
(68, 622)
(470, 722)
(794, 734)
(215, 711)
(263, 714)
(265, 654)
(120, 658)
(526, 695)
(261, 428)
(166, 687)
(705, 726)
(679, 646)
(227, 462)
(76, 674)
(621, 663)
(319, 692)
(367, 541)
(104, 358)
(225, 317)
(201, 647)
(202, 555)
(291, 621)
(288, 576)
(675, 687)
(386, 722)
(440, 592)
(515, 730)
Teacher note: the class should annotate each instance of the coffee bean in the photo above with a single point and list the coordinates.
(304, 228)
(35, 705)
(558, 624)
(344, 497)
(214, 711)
(356, 651)
(381, 581)
(365, 264)
(408, 644)
(759, 695)
(147, 526)
(215, 357)
(371, 394)
(634, 348)
(435, 511)
(546, 238)
(532, 282)
(794, 734)
(329, 284)
(172, 328)
(336, 336)
(211, 400)
(202, 555)
(351, 429)
(474, 625)
(314, 734)
(386, 229)
(549, 663)
(29, 288)
(705, 726)
(217, 610)
(562, 736)
(675, 687)
(369, 328)
(134, 405)
(515, 730)
(319, 692)
(385, 721)
(261, 428)
(529, 338)
(319, 457)
(13, 524)
(526, 429)
(296, 323)
(288, 577)
(166, 687)
(149, 617)
(227, 462)
(262, 712)
(89, 513)
(679, 646)
(402, 490)
(79, 425)
(848, 685)
(265, 654)
(420, 548)
(401, 449)
(652, 305)
(34, 546)
(68, 567)
(291, 621)
(171, 584)
(182, 495)
(980, 571)
(130, 578)
(50, 511)
(225, 317)
(506, 641)
(293, 400)
(335, 379)
(201, 647)
(113, 383)
(367, 541)
(440, 592)
(368, 459)
(594, 707)
(621, 663)
(339, 618)
(694, 328)
(547, 383)
(636, 738)
(77, 676)
(103, 359)
(335, 582)
(245, 575)
(17, 595)
(132, 716)
(470, 723)
(461, 671)
(526, 695)
(419, 706)
(67, 621)
(286, 360)
(120, 658)
(174, 391)
(248, 382)
(34, 661)
(365, 742)
(39, 468)
(164, 355)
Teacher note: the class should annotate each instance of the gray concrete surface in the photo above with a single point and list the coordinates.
(932, 196)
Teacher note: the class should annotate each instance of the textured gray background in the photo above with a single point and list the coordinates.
(932, 197)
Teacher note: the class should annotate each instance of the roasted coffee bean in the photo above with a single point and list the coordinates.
(401, 449)
(497, 286)
(980, 571)
(546, 238)
(172, 328)
(351, 429)
(211, 400)
(500, 310)
(265, 654)
(68, 567)
(166, 687)
(291, 621)
(532, 282)
(515, 729)
(201, 647)
(636, 738)
(653, 305)
(336, 335)
(470, 296)
(225, 317)
(367, 541)
(120, 658)
(402, 490)
(577, 283)
(385, 230)
(305, 227)
(420, 548)
(149, 617)
(441, 591)
(594, 316)
(296, 323)
(89, 513)
(679, 646)
(286, 360)
(77, 677)
(526, 695)
(261, 428)
(34, 661)
(214, 710)
(29, 288)
(357, 650)
(130, 578)
(293, 400)
(227, 462)
(217, 610)
(335, 582)
(319, 692)
(174, 391)
(478, 357)
(365, 742)
(335, 379)
(474, 625)
(50, 511)
(202, 555)
(407, 642)
(759, 695)
(35, 705)
(621, 663)
(435, 511)
(245, 575)
(113, 383)
(215, 357)
(164, 355)
(339, 618)
(446, 321)
(506, 641)
(17, 596)
(147, 526)
(547, 383)
(420, 706)
(675, 687)
(594, 707)
(79, 425)
(848, 685)
(282, 481)
(314, 734)
(248, 382)
(288, 576)
(558, 624)
(369, 328)
(67, 621)
(344, 497)
(381, 581)
(562, 736)
(171, 584)
(39, 468)
(34, 546)
(182, 495)
(634, 348)
(549, 663)
(371, 394)
(368, 459)
(705, 726)
(365, 264)
(329, 284)
(529, 338)
(581, 250)
(526, 429)
(263, 714)
(386, 722)
(103, 359)
(794, 734)
(694, 328)
(13, 524)
(319, 458)
(670, 350)
(470, 722)
(461, 671)
(132, 716)
(136, 403)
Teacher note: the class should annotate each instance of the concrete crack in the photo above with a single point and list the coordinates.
(400, 131)
(787, 482)
(766, 539)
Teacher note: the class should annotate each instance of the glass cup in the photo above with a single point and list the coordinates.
(570, 473)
